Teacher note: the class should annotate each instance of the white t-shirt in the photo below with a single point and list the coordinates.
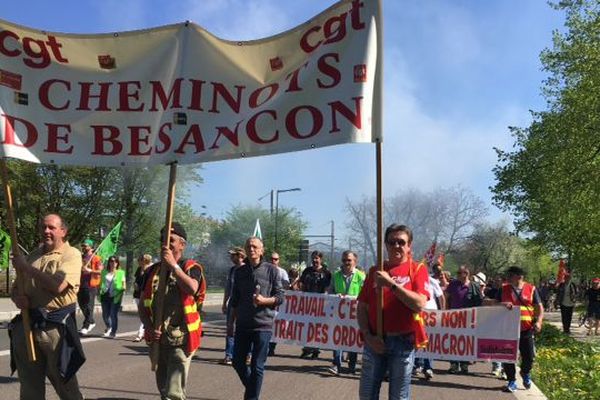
(110, 276)
(285, 279)
(436, 291)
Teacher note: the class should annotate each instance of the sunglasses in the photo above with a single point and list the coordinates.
(347, 260)
(398, 242)
(274, 259)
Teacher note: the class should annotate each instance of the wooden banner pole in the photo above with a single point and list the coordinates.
(379, 236)
(17, 252)
(159, 296)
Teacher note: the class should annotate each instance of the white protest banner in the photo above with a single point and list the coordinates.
(178, 93)
(318, 320)
(470, 334)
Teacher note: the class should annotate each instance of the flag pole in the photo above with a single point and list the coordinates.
(162, 280)
(95, 252)
(378, 130)
(90, 260)
(17, 252)
(379, 236)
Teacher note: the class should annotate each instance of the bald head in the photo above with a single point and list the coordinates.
(54, 232)
(254, 250)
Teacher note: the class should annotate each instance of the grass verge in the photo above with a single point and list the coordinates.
(565, 368)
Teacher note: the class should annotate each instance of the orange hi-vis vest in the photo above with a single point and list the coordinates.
(525, 302)
(191, 314)
(95, 276)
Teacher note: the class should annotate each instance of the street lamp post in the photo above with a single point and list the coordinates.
(270, 193)
(277, 213)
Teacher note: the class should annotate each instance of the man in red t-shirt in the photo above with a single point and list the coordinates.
(405, 286)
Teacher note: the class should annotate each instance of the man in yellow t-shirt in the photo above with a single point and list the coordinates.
(51, 275)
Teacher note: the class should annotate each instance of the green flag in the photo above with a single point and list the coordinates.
(108, 247)
(5, 244)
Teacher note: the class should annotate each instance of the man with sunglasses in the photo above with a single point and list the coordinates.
(285, 279)
(285, 283)
(405, 292)
(180, 331)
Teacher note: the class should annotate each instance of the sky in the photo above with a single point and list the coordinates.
(456, 75)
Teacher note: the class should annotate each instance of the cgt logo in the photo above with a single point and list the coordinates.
(35, 53)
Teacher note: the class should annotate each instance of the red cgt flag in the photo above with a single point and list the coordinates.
(562, 272)
(440, 260)
(429, 255)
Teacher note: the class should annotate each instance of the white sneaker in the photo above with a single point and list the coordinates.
(106, 334)
(84, 331)
(428, 373)
(89, 329)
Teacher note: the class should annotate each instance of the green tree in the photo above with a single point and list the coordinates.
(537, 261)
(550, 181)
(141, 197)
(239, 224)
(80, 194)
(490, 249)
(92, 200)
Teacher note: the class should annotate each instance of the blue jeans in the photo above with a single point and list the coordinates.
(110, 312)
(337, 359)
(252, 375)
(398, 359)
(228, 339)
(229, 346)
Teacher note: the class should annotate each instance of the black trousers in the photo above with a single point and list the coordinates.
(566, 315)
(86, 298)
(527, 350)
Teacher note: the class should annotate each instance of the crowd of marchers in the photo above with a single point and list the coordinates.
(170, 293)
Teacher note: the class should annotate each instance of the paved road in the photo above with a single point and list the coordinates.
(120, 369)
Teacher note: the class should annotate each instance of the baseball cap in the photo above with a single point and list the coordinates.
(237, 250)
(88, 242)
(595, 280)
(480, 278)
(177, 229)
